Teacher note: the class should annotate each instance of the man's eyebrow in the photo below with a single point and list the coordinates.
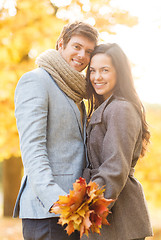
(77, 43)
(91, 50)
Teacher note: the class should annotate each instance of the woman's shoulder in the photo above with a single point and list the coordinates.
(119, 105)
(120, 108)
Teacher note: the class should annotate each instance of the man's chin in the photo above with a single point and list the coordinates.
(78, 68)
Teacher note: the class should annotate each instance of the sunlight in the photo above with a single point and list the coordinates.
(142, 45)
(10, 5)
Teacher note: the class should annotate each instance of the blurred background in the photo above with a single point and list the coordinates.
(28, 28)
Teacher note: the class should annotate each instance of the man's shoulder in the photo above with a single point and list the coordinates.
(36, 76)
(40, 72)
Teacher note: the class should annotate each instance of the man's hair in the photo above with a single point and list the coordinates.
(78, 28)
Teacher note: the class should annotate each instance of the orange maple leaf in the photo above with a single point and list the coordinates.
(83, 209)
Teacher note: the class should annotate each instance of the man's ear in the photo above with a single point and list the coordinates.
(60, 44)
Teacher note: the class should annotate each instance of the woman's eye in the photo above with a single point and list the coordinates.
(105, 70)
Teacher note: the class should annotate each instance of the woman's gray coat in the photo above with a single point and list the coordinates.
(114, 140)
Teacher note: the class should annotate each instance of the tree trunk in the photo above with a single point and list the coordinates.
(12, 174)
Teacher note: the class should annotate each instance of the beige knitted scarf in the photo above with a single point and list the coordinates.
(69, 80)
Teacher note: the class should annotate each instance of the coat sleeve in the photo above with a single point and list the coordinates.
(31, 110)
(123, 126)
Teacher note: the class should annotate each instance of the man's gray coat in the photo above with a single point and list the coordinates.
(51, 141)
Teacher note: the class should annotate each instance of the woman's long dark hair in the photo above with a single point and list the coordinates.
(124, 86)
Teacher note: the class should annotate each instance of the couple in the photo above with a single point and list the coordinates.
(51, 121)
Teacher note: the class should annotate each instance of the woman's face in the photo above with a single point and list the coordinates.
(102, 75)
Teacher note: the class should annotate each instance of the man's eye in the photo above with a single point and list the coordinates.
(76, 46)
(89, 52)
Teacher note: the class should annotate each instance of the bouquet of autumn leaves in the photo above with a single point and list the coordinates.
(83, 209)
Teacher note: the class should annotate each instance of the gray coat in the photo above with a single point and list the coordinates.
(52, 143)
(114, 140)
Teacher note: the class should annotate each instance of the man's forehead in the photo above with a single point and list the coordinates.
(83, 41)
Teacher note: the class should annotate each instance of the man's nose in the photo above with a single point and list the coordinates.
(82, 53)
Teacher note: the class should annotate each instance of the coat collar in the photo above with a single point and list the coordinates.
(97, 115)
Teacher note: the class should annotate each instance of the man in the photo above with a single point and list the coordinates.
(51, 121)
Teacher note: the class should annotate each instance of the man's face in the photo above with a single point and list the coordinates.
(77, 51)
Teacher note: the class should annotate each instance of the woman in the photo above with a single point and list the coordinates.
(117, 136)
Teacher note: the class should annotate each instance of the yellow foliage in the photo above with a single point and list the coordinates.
(32, 30)
(148, 169)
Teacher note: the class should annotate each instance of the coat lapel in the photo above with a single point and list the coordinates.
(97, 115)
(77, 114)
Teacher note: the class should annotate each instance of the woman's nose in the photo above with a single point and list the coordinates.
(97, 75)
